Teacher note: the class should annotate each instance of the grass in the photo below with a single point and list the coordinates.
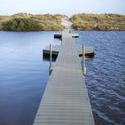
(98, 22)
(29, 22)
(21, 24)
(48, 22)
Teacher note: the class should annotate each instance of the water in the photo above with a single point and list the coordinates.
(24, 74)
(106, 76)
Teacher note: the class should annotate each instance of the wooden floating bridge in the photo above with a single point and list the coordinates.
(65, 100)
(89, 51)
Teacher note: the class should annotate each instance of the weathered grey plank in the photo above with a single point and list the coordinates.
(55, 50)
(65, 100)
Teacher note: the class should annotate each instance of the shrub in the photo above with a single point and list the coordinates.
(29, 22)
(21, 24)
(0, 27)
(98, 22)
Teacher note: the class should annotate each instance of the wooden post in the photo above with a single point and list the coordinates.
(83, 59)
(50, 66)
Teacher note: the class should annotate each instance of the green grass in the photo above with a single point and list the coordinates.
(29, 22)
(1, 27)
(48, 22)
(98, 22)
(21, 24)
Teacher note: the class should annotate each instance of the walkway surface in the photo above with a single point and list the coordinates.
(65, 100)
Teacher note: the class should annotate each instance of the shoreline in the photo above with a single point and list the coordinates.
(23, 22)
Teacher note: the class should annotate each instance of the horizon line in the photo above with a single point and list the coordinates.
(59, 13)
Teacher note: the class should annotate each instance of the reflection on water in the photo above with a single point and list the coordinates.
(23, 75)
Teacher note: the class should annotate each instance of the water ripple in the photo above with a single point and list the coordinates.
(106, 76)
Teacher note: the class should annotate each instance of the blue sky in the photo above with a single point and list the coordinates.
(69, 7)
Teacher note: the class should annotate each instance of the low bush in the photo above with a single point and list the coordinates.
(21, 24)
(98, 22)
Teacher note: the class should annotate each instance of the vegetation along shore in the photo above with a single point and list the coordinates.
(48, 22)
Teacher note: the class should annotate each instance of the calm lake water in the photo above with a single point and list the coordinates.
(24, 74)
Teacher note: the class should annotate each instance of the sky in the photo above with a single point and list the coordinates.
(68, 7)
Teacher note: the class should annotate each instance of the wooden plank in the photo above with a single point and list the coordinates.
(89, 51)
(65, 100)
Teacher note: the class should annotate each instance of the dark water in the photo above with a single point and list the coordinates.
(24, 74)
(106, 76)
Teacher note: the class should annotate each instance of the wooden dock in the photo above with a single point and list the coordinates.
(65, 100)
(89, 51)
(59, 36)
